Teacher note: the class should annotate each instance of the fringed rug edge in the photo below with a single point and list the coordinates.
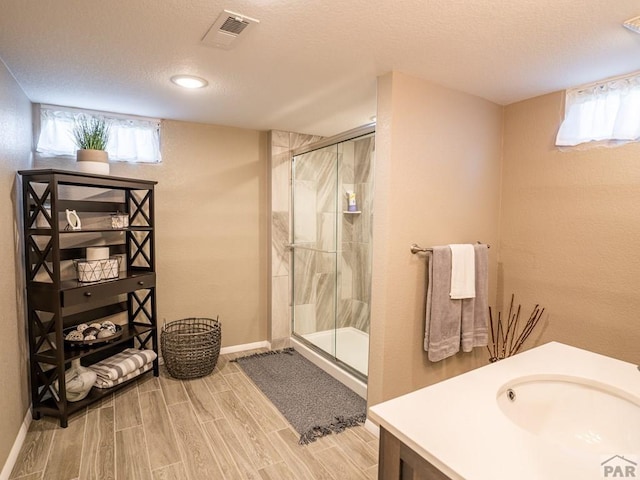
(340, 425)
(287, 351)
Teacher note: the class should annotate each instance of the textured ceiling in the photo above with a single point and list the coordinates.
(309, 66)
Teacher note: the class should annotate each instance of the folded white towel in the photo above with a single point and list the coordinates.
(473, 329)
(463, 271)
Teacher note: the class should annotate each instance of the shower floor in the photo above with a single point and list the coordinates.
(348, 344)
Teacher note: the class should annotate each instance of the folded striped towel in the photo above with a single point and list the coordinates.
(123, 363)
(103, 383)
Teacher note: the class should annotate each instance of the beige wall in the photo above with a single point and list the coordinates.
(15, 154)
(569, 232)
(212, 224)
(437, 181)
(211, 235)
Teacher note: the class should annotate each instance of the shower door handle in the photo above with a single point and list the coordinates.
(292, 246)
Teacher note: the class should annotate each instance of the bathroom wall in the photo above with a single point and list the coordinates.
(569, 232)
(211, 225)
(437, 177)
(15, 154)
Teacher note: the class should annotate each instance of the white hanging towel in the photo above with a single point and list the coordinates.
(463, 271)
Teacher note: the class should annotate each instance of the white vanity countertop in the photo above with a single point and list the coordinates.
(458, 426)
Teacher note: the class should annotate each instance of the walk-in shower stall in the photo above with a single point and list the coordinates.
(332, 188)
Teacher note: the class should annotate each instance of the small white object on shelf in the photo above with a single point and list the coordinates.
(97, 253)
(119, 221)
(78, 381)
(73, 220)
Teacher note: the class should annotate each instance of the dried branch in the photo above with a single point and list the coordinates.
(507, 340)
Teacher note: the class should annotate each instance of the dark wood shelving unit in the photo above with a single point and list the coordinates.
(56, 300)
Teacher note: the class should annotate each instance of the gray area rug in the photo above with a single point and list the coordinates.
(313, 402)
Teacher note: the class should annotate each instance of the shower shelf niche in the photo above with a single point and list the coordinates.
(347, 212)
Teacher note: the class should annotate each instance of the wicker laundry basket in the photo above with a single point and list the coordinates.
(191, 346)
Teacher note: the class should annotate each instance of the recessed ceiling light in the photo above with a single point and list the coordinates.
(633, 24)
(189, 81)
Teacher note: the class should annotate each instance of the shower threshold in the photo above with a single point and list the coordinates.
(352, 354)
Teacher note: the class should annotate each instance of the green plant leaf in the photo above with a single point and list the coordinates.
(91, 133)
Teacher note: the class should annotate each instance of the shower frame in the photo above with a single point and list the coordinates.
(347, 136)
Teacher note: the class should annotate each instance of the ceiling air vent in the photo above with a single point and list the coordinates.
(226, 30)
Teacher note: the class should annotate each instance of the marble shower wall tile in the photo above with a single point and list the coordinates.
(280, 139)
(305, 319)
(360, 312)
(346, 274)
(357, 257)
(281, 343)
(280, 181)
(363, 160)
(347, 163)
(361, 231)
(344, 313)
(354, 314)
(316, 165)
(327, 236)
(297, 140)
(280, 254)
(304, 277)
(325, 301)
(305, 221)
(281, 309)
(326, 262)
(326, 176)
(362, 272)
(349, 223)
(319, 167)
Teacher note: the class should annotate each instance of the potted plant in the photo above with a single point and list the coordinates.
(91, 136)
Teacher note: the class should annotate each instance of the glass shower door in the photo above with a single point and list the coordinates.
(315, 257)
(331, 243)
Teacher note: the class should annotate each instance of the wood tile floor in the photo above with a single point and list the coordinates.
(216, 427)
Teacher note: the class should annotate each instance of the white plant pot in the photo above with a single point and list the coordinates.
(93, 167)
(93, 161)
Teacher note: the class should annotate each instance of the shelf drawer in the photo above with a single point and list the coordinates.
(89, 293)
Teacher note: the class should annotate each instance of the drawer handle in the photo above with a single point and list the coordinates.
(87, 294)
(140, 282)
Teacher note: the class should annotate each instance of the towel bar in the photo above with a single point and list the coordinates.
(415, 248)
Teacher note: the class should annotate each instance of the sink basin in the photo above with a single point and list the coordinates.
(573, 412)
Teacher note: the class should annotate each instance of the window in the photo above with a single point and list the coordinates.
(607, 111)
(131, 139)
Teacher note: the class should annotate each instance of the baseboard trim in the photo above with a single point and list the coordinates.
(17, 445)
(245, 346)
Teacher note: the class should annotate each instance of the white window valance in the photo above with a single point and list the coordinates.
(131, 139)
(607, 111)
